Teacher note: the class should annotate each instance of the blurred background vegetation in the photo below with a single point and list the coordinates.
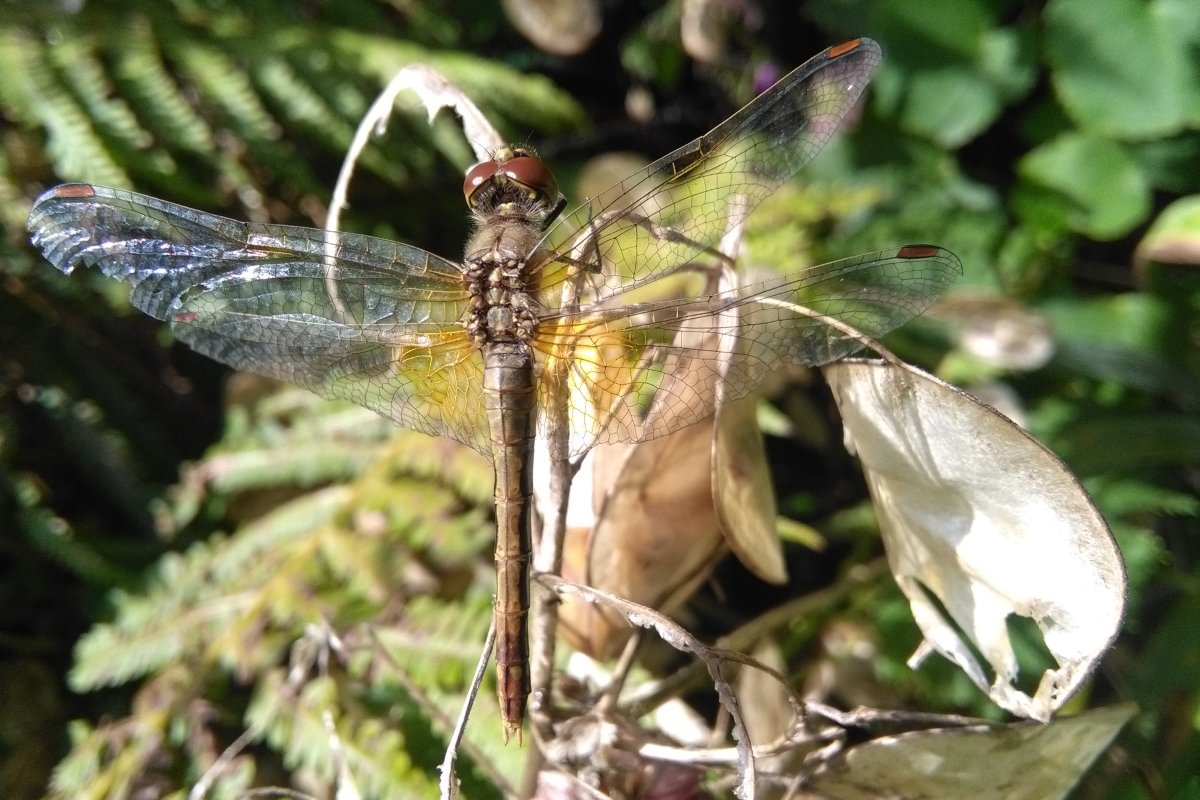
(172, 535)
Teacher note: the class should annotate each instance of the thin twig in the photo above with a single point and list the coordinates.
(482, 762)
(620, 672)
(448, 783)
(201, 787)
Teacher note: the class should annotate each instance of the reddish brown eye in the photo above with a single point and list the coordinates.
(531, 172)
(476, 175)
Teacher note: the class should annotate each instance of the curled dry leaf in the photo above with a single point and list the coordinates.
(976, 513)
(1020, 761)
(701, 29)
(743, 492)
(1003, 333)
(561, 27)
(661, 515)
(436, 92)
(654, 539)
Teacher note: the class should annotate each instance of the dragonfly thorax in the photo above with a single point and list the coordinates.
(505, 324)
(502, 307)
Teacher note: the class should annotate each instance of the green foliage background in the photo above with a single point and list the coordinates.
(171, 541)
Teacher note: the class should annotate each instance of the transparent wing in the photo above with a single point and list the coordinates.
(677, 209)
(652, 368)
(370, 320)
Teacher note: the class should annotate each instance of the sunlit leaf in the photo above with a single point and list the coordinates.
(1174, 238)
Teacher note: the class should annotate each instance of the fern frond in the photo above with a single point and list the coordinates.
(438, 643)
(313, 732)
(115, 760)
(257, 137)
(235, 111)
(443, 461)
(298, 102)
(16, 96)
(303, 466)
(72, 145)
(81, 70)
(198, 597)
(153, 91)
(14, 207)
(55, 539)
(225, 84)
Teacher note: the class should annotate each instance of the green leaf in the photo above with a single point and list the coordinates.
(1126, 339)
(1084, 183)
(1127, 441)
(1126, 496)
(141, 72)
(37, 92)
(926, 31)
(953, 104)
(1120, 67)
(1133, 320)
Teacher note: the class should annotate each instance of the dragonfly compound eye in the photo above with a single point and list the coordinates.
(477, 176)
(531, 173)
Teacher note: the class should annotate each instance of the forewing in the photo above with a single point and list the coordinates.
(653, 368)
(345, 315)
(676, 210)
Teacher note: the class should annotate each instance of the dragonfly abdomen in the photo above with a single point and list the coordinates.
(510, 400)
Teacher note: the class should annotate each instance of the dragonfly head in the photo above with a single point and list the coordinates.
(514, 182)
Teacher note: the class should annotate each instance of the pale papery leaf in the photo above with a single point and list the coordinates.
(976, 513)
(1019, 761)
(654, 538)
(558, 27)
(743, 491)
(437, 92)
(701, 29)
(1174, 238)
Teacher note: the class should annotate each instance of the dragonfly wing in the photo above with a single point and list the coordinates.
(677, 209)
(345, 315)
(653, 368)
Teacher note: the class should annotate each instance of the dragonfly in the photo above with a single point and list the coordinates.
(551, 322)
